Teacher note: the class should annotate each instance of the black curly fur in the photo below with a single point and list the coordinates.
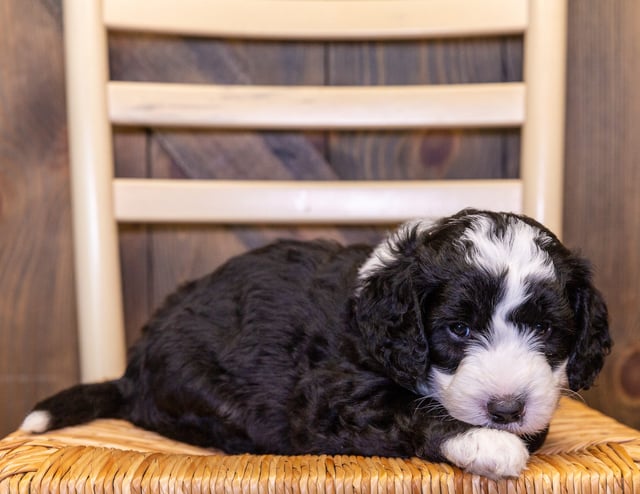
(284, 350)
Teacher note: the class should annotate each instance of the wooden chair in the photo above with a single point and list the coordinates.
(585, 449)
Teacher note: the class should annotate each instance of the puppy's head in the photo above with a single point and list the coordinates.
(488, 313)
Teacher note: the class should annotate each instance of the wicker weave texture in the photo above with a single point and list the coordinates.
(586, 452)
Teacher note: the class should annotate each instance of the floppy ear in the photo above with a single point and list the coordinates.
(387, 310)
(593, 342)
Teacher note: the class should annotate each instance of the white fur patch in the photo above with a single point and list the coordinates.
(36, 422)
(488, 452)
(516, 255)
(384, 253)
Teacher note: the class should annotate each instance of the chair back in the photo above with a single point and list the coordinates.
(96, 103)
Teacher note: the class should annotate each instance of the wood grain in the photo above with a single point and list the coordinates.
(424, 154)
(602, 202)
(38, 346)
(131, 157)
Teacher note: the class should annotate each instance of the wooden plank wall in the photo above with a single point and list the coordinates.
(37, 321)
(37, 318)
(602, 208)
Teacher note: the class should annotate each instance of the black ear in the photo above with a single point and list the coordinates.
(387, 311)
(593, 342)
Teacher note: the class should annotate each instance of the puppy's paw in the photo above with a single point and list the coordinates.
(489, 452)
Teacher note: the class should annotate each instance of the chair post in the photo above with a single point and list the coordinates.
(542, 153)
(97, 268)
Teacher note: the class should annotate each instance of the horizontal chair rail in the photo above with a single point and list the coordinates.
(342, 202)
(316, 107)
(313, 19)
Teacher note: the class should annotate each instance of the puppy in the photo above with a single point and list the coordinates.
(450, 341)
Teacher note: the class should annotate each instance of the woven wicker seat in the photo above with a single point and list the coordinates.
(585, 452)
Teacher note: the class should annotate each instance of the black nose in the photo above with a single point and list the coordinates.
(505, 410)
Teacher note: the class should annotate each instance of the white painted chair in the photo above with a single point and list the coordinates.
(100, 200)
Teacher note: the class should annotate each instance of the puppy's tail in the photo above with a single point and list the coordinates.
(77, 405)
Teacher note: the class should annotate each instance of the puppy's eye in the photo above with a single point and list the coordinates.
(542, 328)
(460, 330)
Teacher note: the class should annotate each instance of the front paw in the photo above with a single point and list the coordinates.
(489, 452)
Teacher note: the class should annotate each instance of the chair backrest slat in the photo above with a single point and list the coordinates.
(324, 107)
(320, 19)
(246, 201)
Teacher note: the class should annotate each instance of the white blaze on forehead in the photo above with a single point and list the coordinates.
(384, 253)
(515, 254)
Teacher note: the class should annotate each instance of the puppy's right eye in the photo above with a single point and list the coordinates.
(460, 330)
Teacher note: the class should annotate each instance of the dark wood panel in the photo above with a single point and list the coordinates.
(38, 349)
(131, 157)
(602, 202)
(427, 154)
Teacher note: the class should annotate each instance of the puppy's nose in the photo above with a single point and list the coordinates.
(505, 410)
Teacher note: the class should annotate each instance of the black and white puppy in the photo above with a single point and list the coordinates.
(450, 341)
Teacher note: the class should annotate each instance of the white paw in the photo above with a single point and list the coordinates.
(489, 452)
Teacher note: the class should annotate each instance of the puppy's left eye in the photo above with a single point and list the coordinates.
(460, 330)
